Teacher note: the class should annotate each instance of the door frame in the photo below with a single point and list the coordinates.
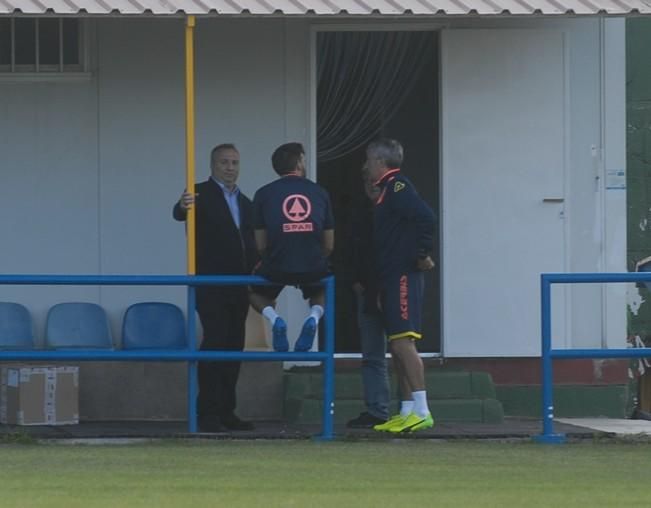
(371, 26)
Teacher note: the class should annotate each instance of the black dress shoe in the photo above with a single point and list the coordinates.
(232, 422)
(210, 424)
(365, 421)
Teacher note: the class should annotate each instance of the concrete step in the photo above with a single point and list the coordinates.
(454, 396)
(152, 390)
(443, 410)
(348, 385)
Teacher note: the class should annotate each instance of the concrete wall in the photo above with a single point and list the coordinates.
(90, 168)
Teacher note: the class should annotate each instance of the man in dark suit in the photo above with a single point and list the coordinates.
(224, 245)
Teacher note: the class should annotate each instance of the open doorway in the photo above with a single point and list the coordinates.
(374, 84)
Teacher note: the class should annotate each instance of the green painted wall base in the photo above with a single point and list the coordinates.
(454, 396)
(612, 401)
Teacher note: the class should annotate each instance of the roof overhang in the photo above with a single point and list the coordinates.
(403, 9)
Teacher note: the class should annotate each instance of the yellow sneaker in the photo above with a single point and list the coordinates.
(413, 423)
(384, 427)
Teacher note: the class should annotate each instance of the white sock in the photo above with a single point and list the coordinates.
(270, 313)
(406, 407)
(420, 403)
(316, 312)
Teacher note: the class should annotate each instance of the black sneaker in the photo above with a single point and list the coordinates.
(365, 421)
(232, 422)
(210, 424)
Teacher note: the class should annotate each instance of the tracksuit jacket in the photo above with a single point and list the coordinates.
(403, 226)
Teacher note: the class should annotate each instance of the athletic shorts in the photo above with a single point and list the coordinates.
(308, 282)
(401, 297)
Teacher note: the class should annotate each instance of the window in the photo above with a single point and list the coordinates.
(41, 45)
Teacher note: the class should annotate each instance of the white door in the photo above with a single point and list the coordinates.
(503, 159)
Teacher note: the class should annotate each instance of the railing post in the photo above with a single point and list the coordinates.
(547, 380)
(329, 363)
(192, 364)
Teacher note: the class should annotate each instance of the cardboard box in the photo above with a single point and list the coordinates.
(43, 395)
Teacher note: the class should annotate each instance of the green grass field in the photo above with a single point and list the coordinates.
(407, 473)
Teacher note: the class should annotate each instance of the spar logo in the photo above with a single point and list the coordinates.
(404, 302)
(297, 208)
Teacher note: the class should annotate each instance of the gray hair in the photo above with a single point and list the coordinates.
(215, 151)
(387, 150)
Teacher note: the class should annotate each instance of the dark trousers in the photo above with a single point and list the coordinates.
(223, 318)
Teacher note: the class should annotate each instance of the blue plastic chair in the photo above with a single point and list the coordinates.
(153, 325)
(77, 325)
(16, 328)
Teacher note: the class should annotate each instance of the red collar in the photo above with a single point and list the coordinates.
(387, 175)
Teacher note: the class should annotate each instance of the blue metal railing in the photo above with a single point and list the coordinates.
(190, 355)
(548, 354)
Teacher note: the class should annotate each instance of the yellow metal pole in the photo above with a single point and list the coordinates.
(189, 139)
(190, 218)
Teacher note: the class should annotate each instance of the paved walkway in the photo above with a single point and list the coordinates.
(618, 427)
(512, 428)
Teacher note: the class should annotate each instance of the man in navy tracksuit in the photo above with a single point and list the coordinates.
(403, 238)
